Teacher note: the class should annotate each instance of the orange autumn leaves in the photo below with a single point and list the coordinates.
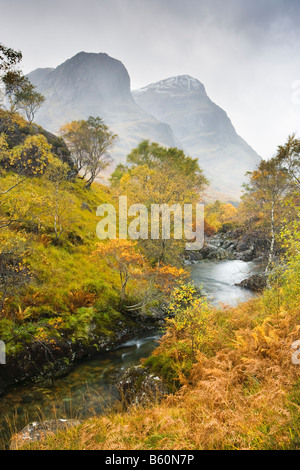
(124, 257)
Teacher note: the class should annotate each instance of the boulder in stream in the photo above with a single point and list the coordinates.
(256, 283)
(137, 386)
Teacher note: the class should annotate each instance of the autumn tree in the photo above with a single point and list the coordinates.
(13, 83)
(28, 100)
(89, 143)
(9, 58)
(219, 215)
(167, 277)
(266, 193)
(31, 158)
(190, 319)
(27, 160)
(19, 92)
(288, 158)
(123, 257)
(75, 134)
(166, 178)
(57, 204)
(157, 157)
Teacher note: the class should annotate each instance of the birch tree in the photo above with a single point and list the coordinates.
(265, 197)
(89, 143)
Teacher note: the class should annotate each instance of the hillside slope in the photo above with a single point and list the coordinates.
(57, 299)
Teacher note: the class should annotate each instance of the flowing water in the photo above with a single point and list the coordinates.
(218, 279)
(90, 387)
(88, 390)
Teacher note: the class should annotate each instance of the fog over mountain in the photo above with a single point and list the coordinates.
(203, 129)
(172, 112)
(92, 84)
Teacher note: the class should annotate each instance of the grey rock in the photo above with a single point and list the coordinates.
(137, 386)
(256, 283)
(219, 254)
(192, 257)
(36, 431)
(247, 255)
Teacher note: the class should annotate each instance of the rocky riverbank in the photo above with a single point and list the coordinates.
(236, 245)
(40, 363)
(233, 245)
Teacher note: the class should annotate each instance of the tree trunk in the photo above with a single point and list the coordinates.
(272, 247)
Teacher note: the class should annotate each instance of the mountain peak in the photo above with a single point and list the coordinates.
(88, 79)
(174, 112)
(180, 82)
(90, 55)
(203, 130)
(96, 84)
(183, 81)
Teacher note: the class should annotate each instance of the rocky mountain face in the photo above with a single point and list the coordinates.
(173, 112)
(203, 129)
(97, 85)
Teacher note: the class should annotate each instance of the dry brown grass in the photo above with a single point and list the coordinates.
(236, 399)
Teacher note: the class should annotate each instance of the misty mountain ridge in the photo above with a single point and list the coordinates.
(203, 129)
(92, 84)
(173, 112)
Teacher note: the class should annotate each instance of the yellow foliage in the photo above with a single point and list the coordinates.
(218, 214)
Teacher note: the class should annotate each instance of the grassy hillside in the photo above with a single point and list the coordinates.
(58, 299)
(63, 275)
(16, 129)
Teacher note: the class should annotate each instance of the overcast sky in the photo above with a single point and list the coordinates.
(245, 52)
